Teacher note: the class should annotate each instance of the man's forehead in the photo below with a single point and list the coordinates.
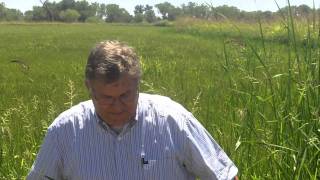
(122, 81)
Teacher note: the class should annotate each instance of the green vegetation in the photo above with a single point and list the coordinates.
(255, 87)
(82, 10)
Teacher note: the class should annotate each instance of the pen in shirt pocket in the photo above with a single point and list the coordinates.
(143, 160)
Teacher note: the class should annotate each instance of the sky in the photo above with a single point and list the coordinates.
(247, 5)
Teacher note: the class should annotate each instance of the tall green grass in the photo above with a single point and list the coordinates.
(257, 92)
(272, 96)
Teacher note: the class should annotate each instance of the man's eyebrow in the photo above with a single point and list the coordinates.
(105, 96)
(48, 177)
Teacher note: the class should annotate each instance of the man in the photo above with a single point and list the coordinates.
(122, 134)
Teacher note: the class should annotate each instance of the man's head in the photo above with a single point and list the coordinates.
(112, 77)
(110, 60)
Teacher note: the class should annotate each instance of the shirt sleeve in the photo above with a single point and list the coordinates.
(48, 164)
(203, 156)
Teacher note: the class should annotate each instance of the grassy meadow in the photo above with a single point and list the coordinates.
(255, 87)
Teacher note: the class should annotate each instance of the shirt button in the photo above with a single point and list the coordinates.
(119, 138)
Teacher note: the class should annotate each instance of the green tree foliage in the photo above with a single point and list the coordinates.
(14, 15)
(9, 14)
(2, 11)
(102, 11)
(194, 10)
(113, 12)
(28, 15)
(116, 14)
(52, 10)
(48, 9)
(168, 11)
(144, 13)
(85, 9)
(202, 11)
(138, 17)
(69, 15)
(66, 4)
(304, 10)
(229, 12)
(138, 9)
(138, 13)
(164, 9)
(149, 14)
(39, 14)
(174, 13)
(94, 19)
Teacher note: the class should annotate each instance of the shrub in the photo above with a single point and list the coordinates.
(69, 15)
(162, 23)
(94, 19)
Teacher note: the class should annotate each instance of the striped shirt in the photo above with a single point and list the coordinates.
(163, 142)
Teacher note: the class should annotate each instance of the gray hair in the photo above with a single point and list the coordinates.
(109, 60)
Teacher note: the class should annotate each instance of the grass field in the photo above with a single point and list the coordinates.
(256, 91)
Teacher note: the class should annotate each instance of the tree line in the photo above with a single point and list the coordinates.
(83, 11)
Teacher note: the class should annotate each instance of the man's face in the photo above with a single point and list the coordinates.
(115, 102)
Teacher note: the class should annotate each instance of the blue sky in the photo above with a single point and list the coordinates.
(247, 5)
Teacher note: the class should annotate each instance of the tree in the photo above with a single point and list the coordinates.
(138, 9)
(66, 4)
(267, 15)
(174, 13)
(2, 11)
(28, 15)
(201, 11)
(125, 16)
(116, 14)
(168, 11)
(48, 9)
(138, 17)
(144, 13)
(149, 14)
(85, 10)
(69, 15)
(94, 19)
(113, 12)
(14, 15)
(303, 10)
(188, 9)
(138, 13)
(164, 9)
(227, 11)
(102, 11)
(54, 9)
(39, 14)
(9, 14)
(285, 10)
(147, 8)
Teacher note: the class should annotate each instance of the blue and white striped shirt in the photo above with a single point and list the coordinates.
(164, 142)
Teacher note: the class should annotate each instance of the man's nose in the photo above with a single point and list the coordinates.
(117, 104)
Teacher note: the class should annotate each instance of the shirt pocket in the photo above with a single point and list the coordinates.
(159, 167)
